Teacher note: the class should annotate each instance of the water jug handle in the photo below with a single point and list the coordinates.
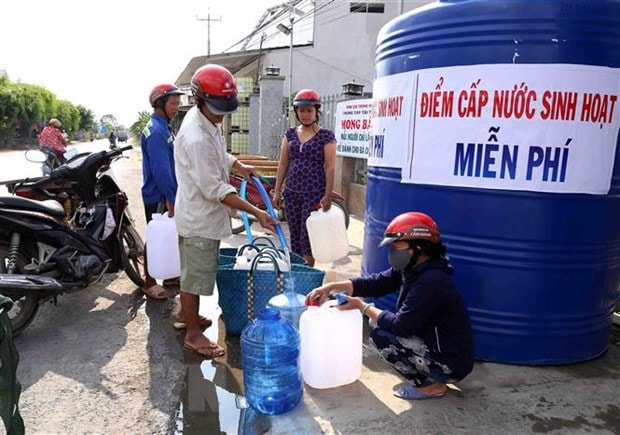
(274, 251)
(261, 238)
(248, 246)
(328, 304)
(266, 255)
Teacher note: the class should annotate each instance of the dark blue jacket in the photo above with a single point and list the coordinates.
(430, 307)
(158, 179)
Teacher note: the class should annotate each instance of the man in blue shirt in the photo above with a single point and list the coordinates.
(159, 186)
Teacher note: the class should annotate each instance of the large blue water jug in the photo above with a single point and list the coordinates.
(270, 349)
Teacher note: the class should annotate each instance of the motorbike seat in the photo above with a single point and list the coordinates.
(49, 206)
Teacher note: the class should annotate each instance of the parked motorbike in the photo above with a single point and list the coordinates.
(43, 256)
(52, 161)
(60, 190)
(254, 197)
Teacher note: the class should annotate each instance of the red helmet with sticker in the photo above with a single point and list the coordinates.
(411, 226)
(215, 85)
(163, 90)
(307, 98)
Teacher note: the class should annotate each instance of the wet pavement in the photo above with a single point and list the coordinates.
(495, 398)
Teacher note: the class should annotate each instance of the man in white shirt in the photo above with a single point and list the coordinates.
(205, 197)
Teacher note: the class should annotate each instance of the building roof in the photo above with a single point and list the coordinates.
(231, 61)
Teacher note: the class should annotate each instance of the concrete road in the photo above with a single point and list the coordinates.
(107, 360)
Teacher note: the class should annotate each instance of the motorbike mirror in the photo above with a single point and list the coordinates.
(35, 156)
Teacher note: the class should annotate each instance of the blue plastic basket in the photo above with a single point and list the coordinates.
(242, 293)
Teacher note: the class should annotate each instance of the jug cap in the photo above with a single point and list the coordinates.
(340, 299)
(313, 303)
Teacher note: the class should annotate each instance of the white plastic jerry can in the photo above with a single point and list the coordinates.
(162, 247)
(331, 346)
(328, 235)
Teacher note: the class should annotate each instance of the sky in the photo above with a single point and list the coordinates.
(108, 55)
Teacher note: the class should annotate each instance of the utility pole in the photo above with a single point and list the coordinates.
(289, 31)
(208, 20)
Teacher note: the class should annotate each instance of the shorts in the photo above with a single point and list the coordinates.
(199, 259)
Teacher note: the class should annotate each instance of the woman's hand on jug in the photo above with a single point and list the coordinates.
(326, 202)
(350, 303)
(322, 294)
(319, 295)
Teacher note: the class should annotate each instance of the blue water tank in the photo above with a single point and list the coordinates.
(270, 348)
(536, 248)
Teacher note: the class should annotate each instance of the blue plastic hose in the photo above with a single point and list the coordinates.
(271, 211)
(244, 215)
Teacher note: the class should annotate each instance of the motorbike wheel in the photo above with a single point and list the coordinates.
(237, 224)
(340, 204)
(132, 252)
(24, 309)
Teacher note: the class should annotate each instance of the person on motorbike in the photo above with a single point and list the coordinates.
(205, 196)
(52, 139)
(112, 139)
(429, 338)
(306, 171)
(159, 183)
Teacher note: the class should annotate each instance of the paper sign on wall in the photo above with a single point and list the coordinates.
(353, 128)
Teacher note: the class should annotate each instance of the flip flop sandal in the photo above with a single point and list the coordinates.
(203, 322)
(156, 292)
(210, 351)
(172, 282)
(409, 392)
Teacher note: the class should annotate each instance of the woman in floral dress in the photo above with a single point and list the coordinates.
(306, 171)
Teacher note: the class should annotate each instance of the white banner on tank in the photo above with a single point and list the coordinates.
(542, 128)
(392, 110)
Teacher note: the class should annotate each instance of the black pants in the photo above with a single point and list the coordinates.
(149, 209)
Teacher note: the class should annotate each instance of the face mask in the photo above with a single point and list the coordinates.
(400, 258)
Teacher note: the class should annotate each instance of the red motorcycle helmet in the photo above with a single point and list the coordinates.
(215, 86)
(307, 98)
(411, 226)
(163, 90)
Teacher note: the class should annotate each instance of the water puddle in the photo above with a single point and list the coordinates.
(211, 400)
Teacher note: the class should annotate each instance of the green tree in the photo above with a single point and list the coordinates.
(137, 127)
(69, 115)
(26, 108)
(87, 119)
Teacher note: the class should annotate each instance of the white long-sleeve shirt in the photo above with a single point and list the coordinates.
(202, 168)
